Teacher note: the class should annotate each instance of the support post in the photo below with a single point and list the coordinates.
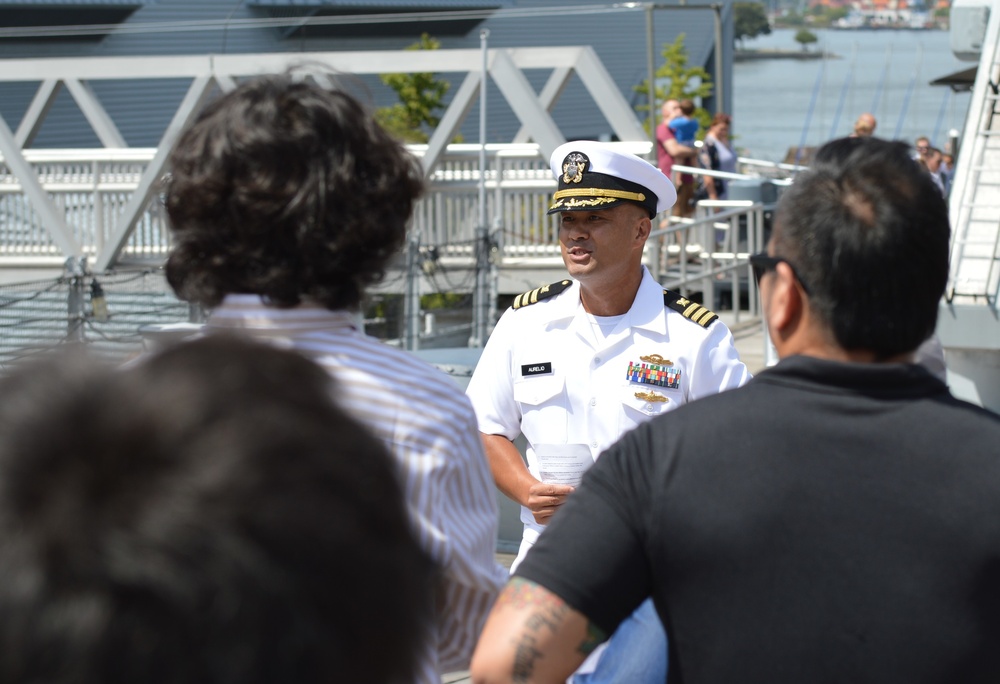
(720, 87)
(481, 294)
(411, 294)
(651, 71)
(76, 268)
(196, 313)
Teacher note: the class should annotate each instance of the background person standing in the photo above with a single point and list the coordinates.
(864, 126)
(717, 154)
(668, 152)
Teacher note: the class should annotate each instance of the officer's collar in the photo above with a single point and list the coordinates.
(646, 312)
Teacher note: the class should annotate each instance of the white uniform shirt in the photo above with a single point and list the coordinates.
(427, 424)
(544, 373)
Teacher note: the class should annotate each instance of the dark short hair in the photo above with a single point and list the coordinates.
(868, 231)
(209, 515)
(284, 189)
(686, 107)
(834, 154)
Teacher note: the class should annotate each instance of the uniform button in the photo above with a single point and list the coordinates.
(649, 407)
(593, 402)
(597, 360)
(593, 445)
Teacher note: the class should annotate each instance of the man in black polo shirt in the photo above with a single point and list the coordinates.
(837, 519)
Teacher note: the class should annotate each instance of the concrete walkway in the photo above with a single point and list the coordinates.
(751, 342)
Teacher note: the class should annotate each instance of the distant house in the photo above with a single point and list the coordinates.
(141, 110)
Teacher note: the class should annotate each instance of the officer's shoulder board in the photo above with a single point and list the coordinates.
(540, 293)
(692, 311)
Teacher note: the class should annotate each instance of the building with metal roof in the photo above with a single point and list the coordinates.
(622, 35)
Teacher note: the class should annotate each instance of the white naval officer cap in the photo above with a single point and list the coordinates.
(594, 175)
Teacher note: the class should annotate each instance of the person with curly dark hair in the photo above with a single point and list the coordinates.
(288, 191)
(286, 200)
(187, 520)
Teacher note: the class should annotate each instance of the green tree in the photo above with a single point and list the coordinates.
(833, 14)
(749, 21)
(675, 80)
(805, 37)
(790, 18)
(421, 97)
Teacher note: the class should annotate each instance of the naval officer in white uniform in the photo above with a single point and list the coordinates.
(576, 364)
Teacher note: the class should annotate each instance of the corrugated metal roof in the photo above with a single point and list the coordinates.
(386, 4)
(142, 109)
(56, 4)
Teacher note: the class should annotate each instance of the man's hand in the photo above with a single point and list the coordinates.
(544, 499)
(514, 480)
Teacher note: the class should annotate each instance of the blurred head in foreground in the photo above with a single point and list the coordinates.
(208, 515)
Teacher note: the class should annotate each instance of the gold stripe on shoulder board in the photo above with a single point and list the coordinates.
(690, 310)
(540, 294)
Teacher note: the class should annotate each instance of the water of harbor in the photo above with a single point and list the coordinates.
(782, 103)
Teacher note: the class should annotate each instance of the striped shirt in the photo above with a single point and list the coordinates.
(429, 426)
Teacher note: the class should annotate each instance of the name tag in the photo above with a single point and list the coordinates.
(536, 369)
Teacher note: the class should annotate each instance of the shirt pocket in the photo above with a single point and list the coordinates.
(638, 409)
(544, 408)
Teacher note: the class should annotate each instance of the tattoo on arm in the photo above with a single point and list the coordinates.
(525, 655)
(546, 612)
(595, 637)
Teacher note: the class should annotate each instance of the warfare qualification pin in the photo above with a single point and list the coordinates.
(574, 165)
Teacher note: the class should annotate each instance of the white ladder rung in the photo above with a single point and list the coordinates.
(967, 241)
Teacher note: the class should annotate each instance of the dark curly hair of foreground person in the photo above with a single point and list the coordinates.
(206, 516)
(284, 189)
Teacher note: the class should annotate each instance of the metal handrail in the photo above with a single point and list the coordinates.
(92, 188)
(704, 253)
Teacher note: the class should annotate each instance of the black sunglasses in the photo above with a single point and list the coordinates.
(762, 262)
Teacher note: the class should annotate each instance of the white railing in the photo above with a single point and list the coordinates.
(705, 257)
(93, 187)
(710, 253)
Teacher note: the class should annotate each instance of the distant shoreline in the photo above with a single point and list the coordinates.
(864, 27)
(749, 55)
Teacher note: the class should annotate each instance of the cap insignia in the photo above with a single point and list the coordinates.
(574, 166)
